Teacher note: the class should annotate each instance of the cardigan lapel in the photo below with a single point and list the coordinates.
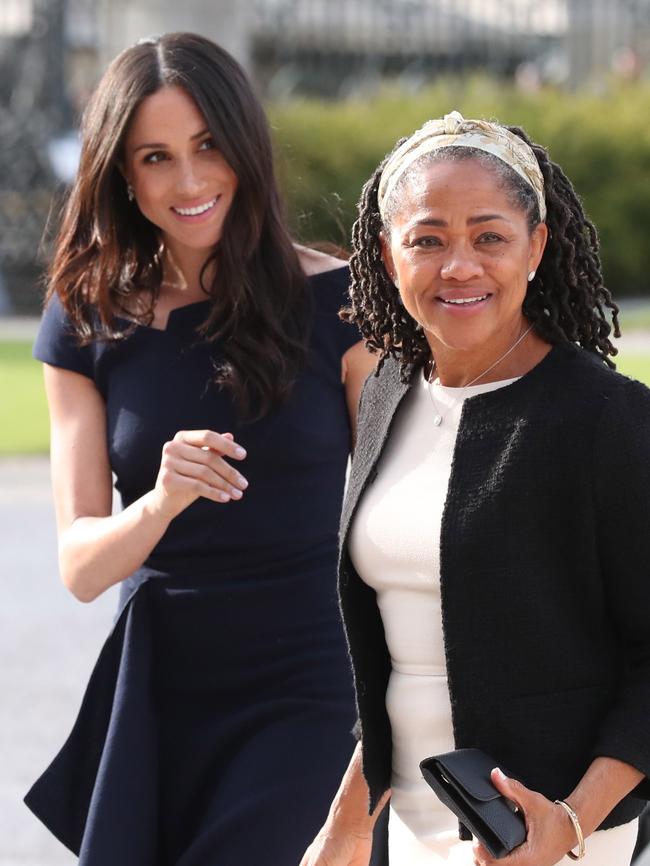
(380, 400)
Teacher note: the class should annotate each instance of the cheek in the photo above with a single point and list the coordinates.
(220, 171)
(516, 279)
(151, 212)
(415, 275)
(152, 197)
(416, 305)
(231, 175)
(149, 188)
(234, 186)
(406, 271)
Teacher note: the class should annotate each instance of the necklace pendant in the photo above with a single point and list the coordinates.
(437, 420)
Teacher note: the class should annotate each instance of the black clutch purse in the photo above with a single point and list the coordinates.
(461, 780)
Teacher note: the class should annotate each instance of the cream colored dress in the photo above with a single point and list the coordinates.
(394, 545)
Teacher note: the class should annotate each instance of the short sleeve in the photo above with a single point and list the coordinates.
(57, 343)
(332, 292)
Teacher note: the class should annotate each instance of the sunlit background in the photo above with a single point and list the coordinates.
(348, 53)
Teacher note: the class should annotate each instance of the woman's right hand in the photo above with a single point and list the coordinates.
(193, 465)
(330, 849)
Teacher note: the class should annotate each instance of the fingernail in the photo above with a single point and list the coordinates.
(242, 481)
(240, 452)
(500, 774)
(236, 494)
(224, 497)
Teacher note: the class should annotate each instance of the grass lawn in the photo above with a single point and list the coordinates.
(636, 366)
(24, 425)
(23, 413)
(634, 316)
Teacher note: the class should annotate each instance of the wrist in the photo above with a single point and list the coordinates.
(343, 819)
(157, 508)
(349, 811)
(576, 838)
(605, 783)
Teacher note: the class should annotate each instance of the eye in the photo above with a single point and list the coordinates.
(207, 144)
(155, 157)
(489, 238)
(426, 242)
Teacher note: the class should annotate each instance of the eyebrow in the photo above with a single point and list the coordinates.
(160, 145)
(483, 218)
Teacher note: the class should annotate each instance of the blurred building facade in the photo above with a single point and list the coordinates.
(52, 52)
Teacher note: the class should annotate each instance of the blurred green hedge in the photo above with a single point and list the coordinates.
(327, 150)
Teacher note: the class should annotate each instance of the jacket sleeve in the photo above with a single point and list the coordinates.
(622, 489)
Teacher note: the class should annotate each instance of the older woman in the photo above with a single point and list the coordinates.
(493, 574)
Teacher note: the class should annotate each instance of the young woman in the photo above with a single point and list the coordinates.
(192, 351)
(494, 556)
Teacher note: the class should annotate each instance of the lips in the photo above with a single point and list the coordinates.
(197, 210)
(464, 301)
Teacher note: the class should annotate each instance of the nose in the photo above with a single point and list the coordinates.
(461, 264)
(189, 180)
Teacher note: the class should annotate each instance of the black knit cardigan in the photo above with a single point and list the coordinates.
(545, 576)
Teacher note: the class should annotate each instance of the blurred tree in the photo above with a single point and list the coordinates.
(33, 109)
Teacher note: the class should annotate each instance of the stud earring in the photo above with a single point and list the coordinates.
(531, 276)
(130, 192)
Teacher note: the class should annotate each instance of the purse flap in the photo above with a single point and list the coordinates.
(461, 780)
(469, 768)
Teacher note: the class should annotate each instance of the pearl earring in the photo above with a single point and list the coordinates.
(531, 276)
(130, 192)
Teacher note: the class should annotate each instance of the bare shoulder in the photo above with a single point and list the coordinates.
(359, 360)
(315, 262)
(356, 365)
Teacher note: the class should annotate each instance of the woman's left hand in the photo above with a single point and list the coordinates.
(549, 833)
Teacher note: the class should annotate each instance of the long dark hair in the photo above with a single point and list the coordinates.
(108, 253)
(566, 301)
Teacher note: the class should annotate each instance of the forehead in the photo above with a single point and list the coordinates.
(168, 114)
(450, 185)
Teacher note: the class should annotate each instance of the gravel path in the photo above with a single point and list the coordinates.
(48, 645)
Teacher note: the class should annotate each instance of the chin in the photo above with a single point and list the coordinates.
(203, 247)
(196, 244)
(459, 342)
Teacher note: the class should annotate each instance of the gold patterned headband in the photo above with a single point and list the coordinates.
(454, 131)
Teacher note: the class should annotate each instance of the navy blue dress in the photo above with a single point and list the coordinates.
(216, 724)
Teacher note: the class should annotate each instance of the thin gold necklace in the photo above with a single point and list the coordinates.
(439, 417)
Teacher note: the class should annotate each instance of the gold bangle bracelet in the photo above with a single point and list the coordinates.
(578, 829)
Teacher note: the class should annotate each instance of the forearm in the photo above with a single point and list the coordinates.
(349, 810)
(604, 785)
(98, 552)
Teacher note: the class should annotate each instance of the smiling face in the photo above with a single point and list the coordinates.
(182, 183)
(461, 250)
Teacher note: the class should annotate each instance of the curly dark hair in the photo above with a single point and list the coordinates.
(566, 300)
